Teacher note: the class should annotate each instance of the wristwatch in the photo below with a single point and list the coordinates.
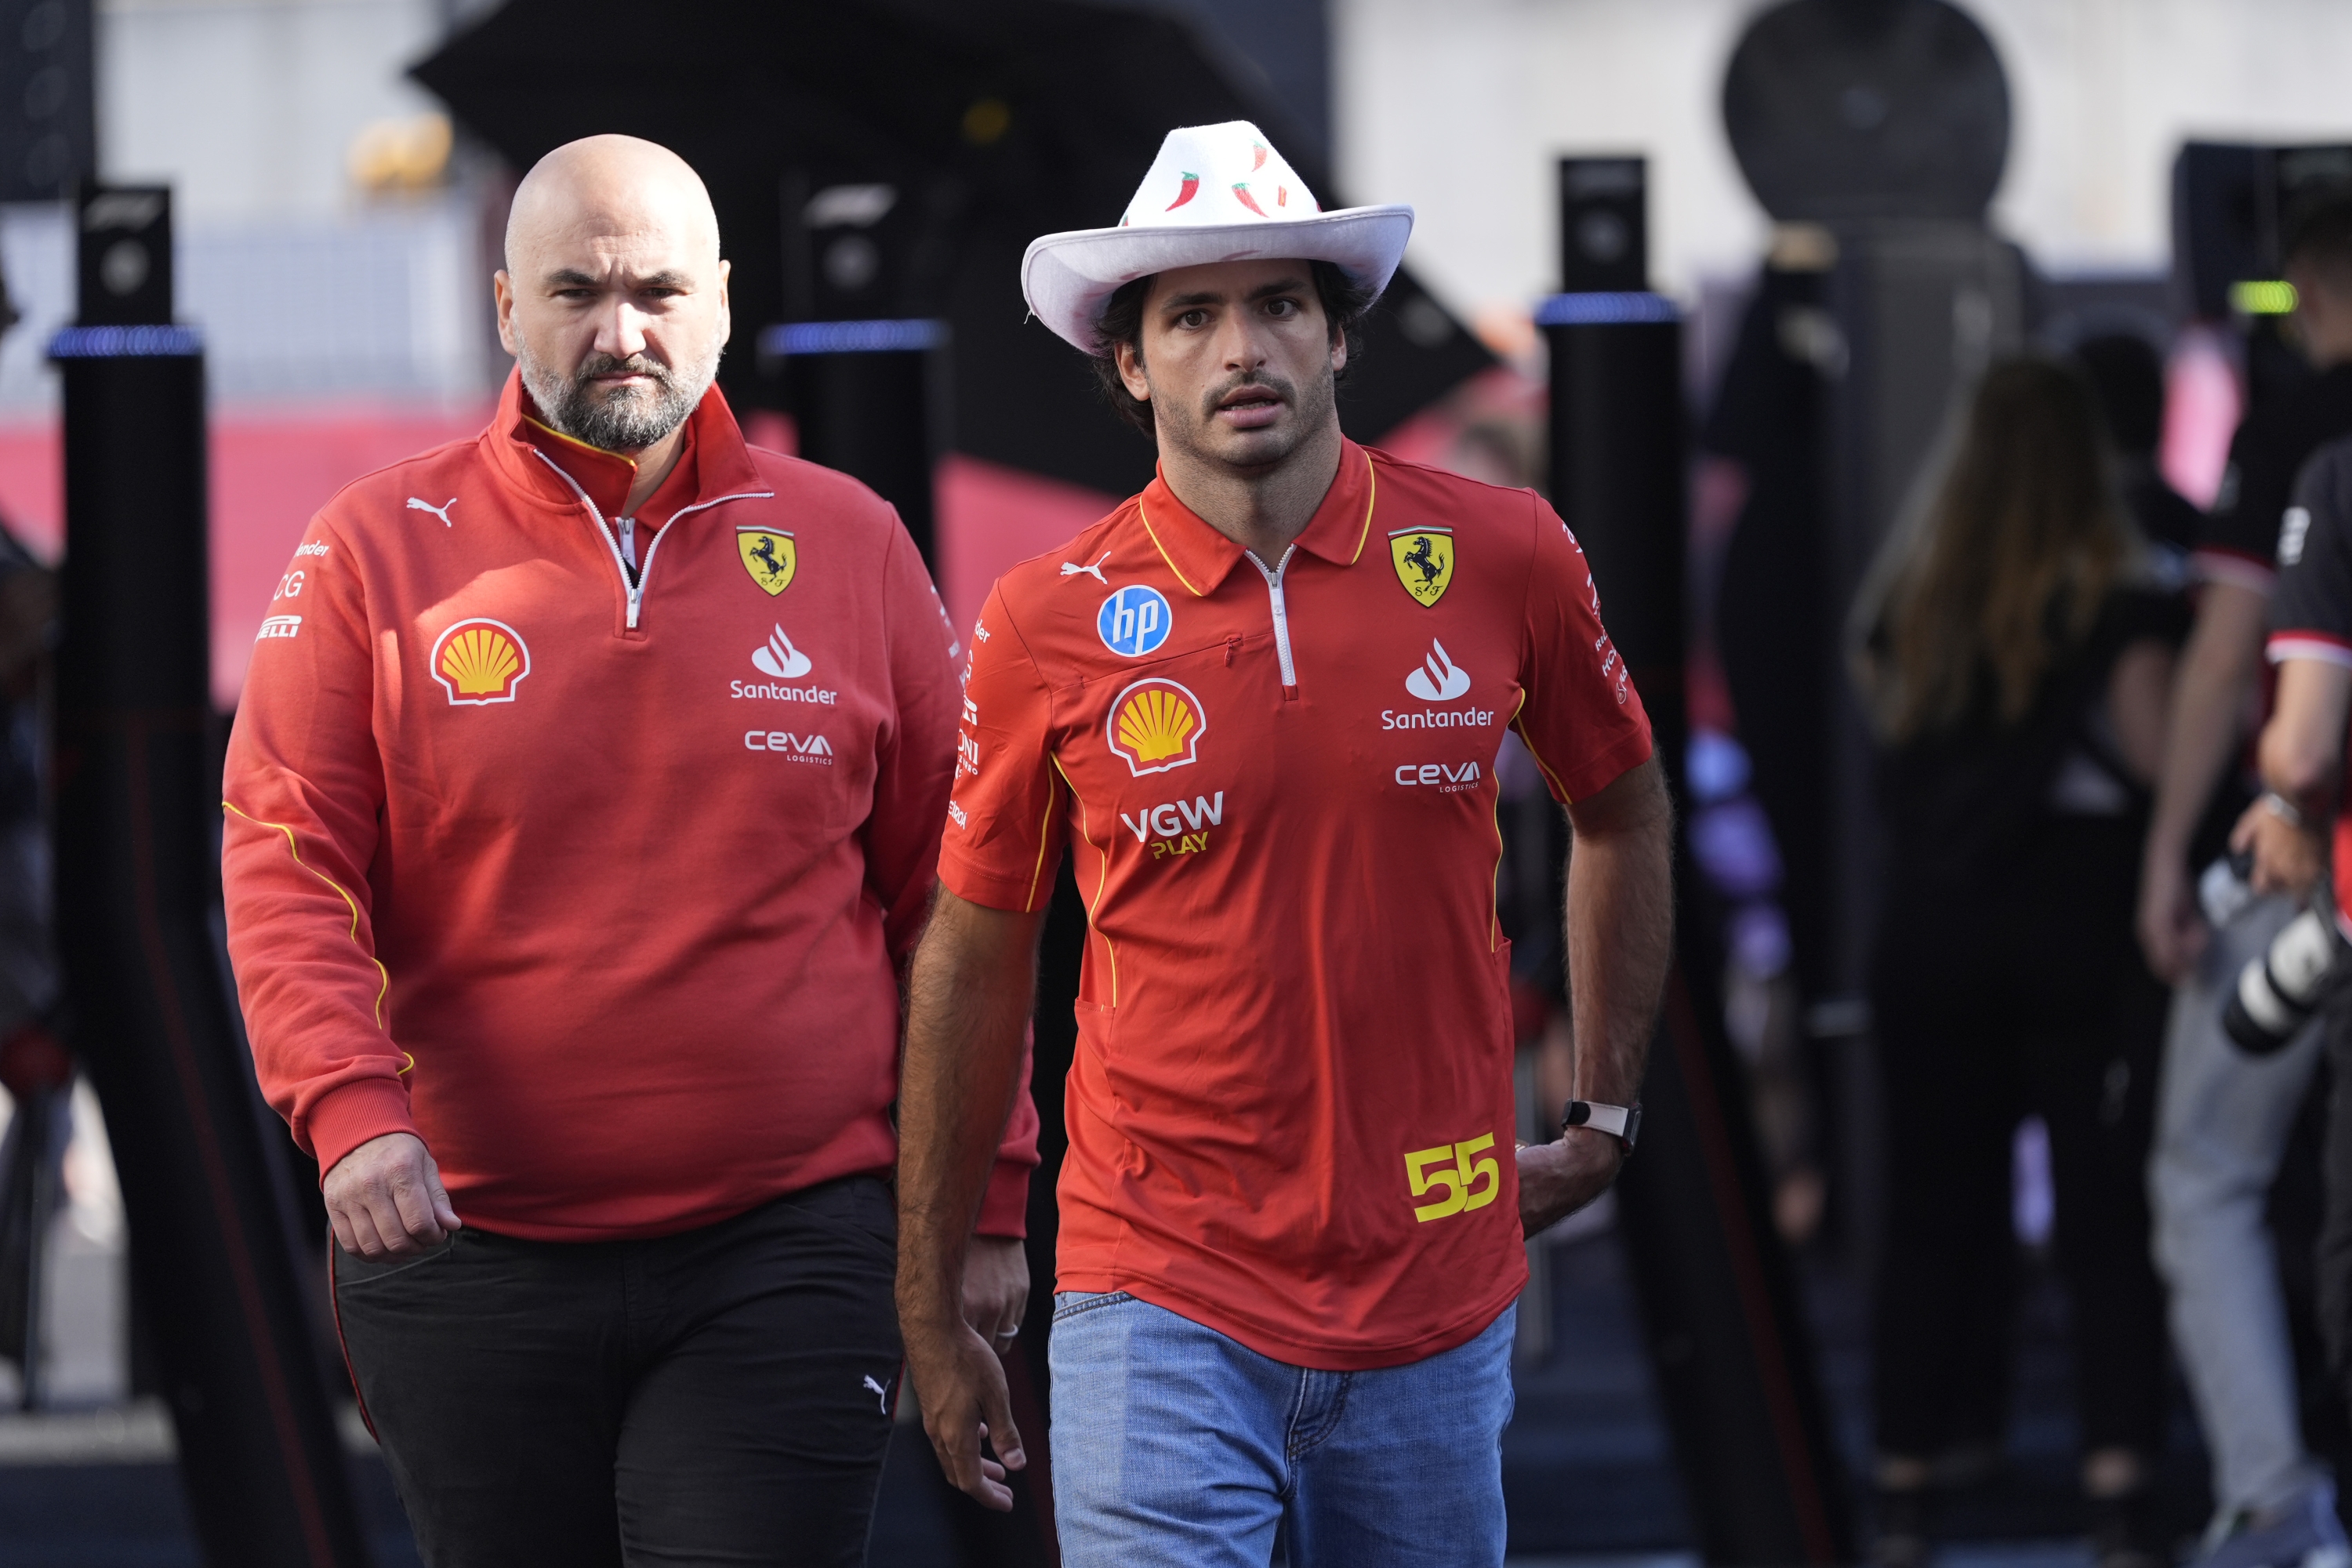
(1623, 1122)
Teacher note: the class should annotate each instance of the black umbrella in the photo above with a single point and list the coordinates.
(1000, 119)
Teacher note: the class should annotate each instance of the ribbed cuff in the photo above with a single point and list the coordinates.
(1004, 1212)
(348, 1117)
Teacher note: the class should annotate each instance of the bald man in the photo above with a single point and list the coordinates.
(582, 806)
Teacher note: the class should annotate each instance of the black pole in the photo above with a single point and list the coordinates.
(138, 879)
(1733, 1353)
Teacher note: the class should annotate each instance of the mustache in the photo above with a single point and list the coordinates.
(597, 365)
(1258, 378)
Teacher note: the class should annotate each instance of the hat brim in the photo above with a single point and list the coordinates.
(1068, 277)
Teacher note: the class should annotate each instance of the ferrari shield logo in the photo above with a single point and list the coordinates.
(769, 556)
(1424, 561)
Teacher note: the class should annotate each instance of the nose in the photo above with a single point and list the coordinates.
(621, 331)
(1242, 341)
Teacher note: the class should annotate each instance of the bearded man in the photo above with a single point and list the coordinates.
(582, 806)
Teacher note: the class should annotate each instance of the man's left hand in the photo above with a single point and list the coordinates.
(2288, 857)
(1559, 1178)
(996, 1288)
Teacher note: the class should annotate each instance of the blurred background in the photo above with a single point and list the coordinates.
(339, 173)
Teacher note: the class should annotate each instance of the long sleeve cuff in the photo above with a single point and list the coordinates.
(1004, 1212)
(348, 1117)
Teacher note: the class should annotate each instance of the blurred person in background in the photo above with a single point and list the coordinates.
(2288, 832)
(35, 1069)
(567, 892)
(2127, 374)
(2016, 664)
(2225, 1116)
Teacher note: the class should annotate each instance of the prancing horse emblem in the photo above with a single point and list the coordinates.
(1424, 558)
(768, 555)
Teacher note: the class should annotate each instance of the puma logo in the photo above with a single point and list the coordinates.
(881, 1393)
(441, 511)
(1072, 569)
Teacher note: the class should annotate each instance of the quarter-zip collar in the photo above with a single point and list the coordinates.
(1200, 556)
(722, 463)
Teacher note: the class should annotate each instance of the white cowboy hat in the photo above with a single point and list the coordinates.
(1216, 193)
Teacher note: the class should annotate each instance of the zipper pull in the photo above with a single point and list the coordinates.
(1232, 647)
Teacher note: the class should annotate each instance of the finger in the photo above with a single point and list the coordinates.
(442, 1211)
(365, 1239)
(384, 1209)
(412, 1204)
(345, 1236)
(996, 1406)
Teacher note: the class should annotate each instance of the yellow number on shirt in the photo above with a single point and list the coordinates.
(1449, 1166)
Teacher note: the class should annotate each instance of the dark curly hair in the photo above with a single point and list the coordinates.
(1346, 303)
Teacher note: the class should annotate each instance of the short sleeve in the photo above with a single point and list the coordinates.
(1005, 816)
(1580, 717)
(2310, 616)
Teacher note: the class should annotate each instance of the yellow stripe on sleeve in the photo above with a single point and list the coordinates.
(348, 902)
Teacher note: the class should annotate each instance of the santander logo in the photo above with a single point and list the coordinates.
(1439, 678)
(778, 657)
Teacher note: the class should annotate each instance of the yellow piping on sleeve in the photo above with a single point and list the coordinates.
(1550, 777)
(1037, 872)
(1102, 878)
(348, 902)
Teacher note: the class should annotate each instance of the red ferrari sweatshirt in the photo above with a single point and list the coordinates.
(587, 851)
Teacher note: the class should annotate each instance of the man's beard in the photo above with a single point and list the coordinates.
(618, 419)
(1310, 408)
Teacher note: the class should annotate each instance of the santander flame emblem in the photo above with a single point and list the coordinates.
(1439, 678)
(778, 657)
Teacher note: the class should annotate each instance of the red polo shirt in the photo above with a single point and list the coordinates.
(1291, 1112)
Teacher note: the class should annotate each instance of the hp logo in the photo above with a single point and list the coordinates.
(1133, 621)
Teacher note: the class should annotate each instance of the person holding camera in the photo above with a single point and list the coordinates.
(2223, 1117)
(2296, 833)
(2016, 661)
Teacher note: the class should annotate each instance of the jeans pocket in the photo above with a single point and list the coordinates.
(1072, 1303)
(353, 1268)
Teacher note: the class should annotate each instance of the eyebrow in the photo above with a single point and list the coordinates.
(1263, 292)
(571, 277)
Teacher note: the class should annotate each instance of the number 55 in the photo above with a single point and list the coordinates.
(1425, 1170)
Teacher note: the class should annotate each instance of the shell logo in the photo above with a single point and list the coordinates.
(1156, 725)
(480, 661)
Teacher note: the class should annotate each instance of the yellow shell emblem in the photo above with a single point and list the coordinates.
(480, 661)
(1424, 561)
(1156, 725)
(768, 555)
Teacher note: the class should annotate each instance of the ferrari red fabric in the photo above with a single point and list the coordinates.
(1291, 1112)
(597, 885)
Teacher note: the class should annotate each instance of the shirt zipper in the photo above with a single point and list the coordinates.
(634, 582)
(1281, 615)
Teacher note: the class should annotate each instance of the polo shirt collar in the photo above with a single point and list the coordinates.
(722, 464)
(1200, 556)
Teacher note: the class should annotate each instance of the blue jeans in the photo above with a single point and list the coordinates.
(1175, 1446)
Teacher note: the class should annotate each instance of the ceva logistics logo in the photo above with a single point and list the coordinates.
(1156, 725)
(1134, 621)
(480, 661)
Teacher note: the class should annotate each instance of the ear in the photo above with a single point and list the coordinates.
(1131, 372)
(1339, 354)
(502, 291)
(726, 312)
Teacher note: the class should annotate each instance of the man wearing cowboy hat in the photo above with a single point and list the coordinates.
(1261, 702)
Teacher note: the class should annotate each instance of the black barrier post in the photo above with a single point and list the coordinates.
(138, 878)
(867, 396)
(1733, 1353)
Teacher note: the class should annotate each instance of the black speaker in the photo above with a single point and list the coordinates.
(49, 137)
(1604, 241)
(124, 256)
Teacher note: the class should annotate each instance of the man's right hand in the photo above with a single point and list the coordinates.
(2172, 932)
(385, 1199)
(959, 1382)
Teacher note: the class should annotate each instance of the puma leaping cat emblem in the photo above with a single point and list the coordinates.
(441, 511)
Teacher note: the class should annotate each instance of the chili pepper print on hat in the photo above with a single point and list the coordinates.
(1216, 193)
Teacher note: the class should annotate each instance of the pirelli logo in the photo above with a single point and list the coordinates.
(280, 627)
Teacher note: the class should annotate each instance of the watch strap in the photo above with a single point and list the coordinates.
(1623, 1122)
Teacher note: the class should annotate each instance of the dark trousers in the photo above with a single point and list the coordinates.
(2335, 1249)
(718, 1396)
(2024, 994)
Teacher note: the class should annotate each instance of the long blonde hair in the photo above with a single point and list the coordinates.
(2022, 543)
